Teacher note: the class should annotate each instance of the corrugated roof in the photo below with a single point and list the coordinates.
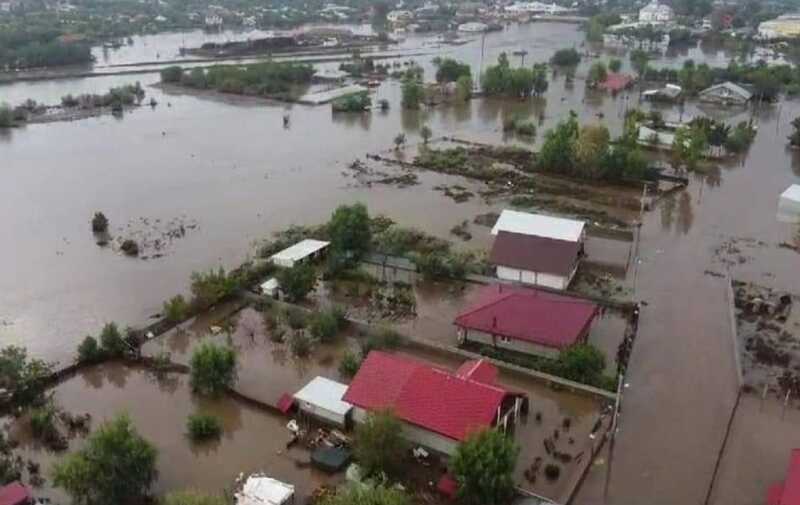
(325, 393)
(299, 251)
(734, 88)
(539, 225)
(537, 254)
(530, 315)
(788, 492)
(423, 395)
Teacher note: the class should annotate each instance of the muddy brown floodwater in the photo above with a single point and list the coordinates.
(230, 166)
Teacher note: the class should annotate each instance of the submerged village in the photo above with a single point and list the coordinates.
(423, 252)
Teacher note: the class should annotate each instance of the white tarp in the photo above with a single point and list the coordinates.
(269, 286)
(539, 225)
(303, 249)
(260, 490)
(789, 205)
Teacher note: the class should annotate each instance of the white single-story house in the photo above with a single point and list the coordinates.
(438, 408)
(789, 205)
(726, 93)
(537, 249)
(322, 398)
(299, 252)
(262, 490)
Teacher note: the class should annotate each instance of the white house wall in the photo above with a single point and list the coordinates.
(321, 413)
(417, 435)
(533, 278)
(512, 344)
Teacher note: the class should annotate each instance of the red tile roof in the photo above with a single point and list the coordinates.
(14, 494)
(616, 82)
(426, 396)
(788, 491)
(537, 254)
(530, 315)
(479, 370)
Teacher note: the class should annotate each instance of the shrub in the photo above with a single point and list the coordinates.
(130, 247)
(379, 445)
(213, 369)
(483, 466)
(89, 351)
(211, 287)
(351, 362)
(324, 326)
(552, 471)
(43, 421)
(297, 281)
(382, 338)
(172, 74)
(203, 427)
(582, 363)
(297, 318)
(176, 309)
(6, 116)
(111, 341)
(566, 57)
(99, 223)
(300, 344)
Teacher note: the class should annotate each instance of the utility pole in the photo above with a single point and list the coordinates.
(480, 69)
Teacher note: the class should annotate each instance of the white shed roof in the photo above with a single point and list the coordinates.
(539, 225)
(300, 250)
(326, 394)
(792, 193)
(270, 285)
(789, 205)
(260, 490)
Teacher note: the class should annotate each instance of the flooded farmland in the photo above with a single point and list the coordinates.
(231, 167)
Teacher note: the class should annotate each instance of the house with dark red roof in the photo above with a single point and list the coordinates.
(787, 492)
(615, 82)
(526, 320)
(439, 408)
(15, 494)
(537, 249)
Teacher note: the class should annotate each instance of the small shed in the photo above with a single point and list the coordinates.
(789, 204)
(15, 494)
(301, 251)
(262, 490)
(726, 93)
(270, 287)
(322, 398)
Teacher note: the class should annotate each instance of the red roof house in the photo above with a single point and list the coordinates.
(616, 82)
(15, 494)
(788, 491)
(439, 407)
(527, 320)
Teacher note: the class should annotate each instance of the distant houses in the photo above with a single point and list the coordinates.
(537, 249)
(726, 93)
(526, 320)
(438, 408)
(669, 93)
(656, 13)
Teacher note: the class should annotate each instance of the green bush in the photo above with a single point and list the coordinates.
(99, 223)
(297, 318)
(43, 421)
(203, 427)
(89, 350)
(172, 74)
(351, 362)
(211, 287)
(6, 116)
(300, 344)
(324, 326)
(381, 338)
(111, 342)
(566, 57)
(297, 281)
(213, 369)
(176, 309)
(356, 102)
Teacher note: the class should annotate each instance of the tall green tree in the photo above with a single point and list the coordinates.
(640, 61)
(540, 83)
(379, 445)
(413, 92)
(690, 146)
(117, 465)
(483, 466)
(558, 151)
(450, 70)
(597, 73)
(298, 281)
(591, 145)
(213, 368)
(349, 229)
(22, 376)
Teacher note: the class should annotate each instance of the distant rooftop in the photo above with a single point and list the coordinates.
(297, 252)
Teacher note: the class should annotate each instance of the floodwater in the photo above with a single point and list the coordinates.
(231, 166)
(252, 440)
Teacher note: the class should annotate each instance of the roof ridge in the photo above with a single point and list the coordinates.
(493, 387)
(501, 297)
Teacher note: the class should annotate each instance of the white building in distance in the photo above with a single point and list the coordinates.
(656, 13)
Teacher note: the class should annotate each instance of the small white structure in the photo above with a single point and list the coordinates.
(299, 252)
(270, 287)
(726, 93)
(262, 490)
(473, 27)
(655, 12)
(322, 398)
(789, 205)
(539, 225)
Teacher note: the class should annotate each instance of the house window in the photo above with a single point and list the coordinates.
(505, 340)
